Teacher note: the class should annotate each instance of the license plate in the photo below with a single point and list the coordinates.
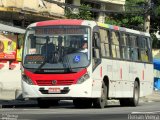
(54, 90)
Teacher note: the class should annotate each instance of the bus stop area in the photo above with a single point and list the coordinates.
(10, 73)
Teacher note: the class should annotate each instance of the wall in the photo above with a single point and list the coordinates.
(34, 6)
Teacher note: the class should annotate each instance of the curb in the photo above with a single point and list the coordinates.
(17, 104)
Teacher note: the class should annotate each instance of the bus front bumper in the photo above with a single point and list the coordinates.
(83, 90)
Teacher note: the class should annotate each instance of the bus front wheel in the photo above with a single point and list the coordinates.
(47, 103)
(43, 103)
(102, 101)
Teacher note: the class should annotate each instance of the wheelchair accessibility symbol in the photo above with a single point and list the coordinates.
(77, 59)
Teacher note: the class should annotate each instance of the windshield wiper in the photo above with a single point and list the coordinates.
(40, 66)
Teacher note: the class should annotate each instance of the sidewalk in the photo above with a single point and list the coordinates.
(154, 97)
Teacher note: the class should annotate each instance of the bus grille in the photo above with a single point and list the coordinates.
(58, 82)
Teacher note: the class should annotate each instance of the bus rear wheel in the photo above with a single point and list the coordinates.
(131, 101)
(135, 100)
(102, 101)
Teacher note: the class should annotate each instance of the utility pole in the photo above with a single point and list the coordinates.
(147, 16)
(78, 3)
(101, 16)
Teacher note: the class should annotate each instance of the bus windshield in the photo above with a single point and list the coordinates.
(57, 48)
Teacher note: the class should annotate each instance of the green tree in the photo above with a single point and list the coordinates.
(84, 13)
(155, 24)
(128, 19)
(155, 16)
(155, 42)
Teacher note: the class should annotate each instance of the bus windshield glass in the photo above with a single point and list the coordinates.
(57, 48)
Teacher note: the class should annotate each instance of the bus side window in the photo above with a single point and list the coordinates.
(104, 35)
(134, 52)
(125, 46)
(115, 44)
(144, 50)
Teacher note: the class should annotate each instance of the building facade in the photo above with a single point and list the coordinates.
(110, 5)
(23, 12)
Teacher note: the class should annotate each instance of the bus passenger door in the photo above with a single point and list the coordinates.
(96, 61)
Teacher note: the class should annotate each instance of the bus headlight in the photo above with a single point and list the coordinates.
(83, 78)
(27, 80)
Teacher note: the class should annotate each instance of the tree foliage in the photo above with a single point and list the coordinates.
(137, 21)
(155, 16)
(155, 42)
(155, 22)
(129, 20)
(83, 13)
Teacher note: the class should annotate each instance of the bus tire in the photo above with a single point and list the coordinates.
(54, 102)
(102, 101)
(82, 103)
(43, 103)
(135, 100)
(131, 101)
(124, 102)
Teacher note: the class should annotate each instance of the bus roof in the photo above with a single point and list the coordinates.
(57, 22)
(85, 22)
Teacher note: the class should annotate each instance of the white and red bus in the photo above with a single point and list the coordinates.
(116, 65)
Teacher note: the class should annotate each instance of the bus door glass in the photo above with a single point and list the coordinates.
(96, 49)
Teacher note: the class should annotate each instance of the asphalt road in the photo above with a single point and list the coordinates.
(66, 111)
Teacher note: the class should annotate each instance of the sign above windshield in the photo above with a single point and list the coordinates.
(60, 30)
(34, 59)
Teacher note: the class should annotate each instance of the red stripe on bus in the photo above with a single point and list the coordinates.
(143, 75)
(101, 72)
(121, 73)
(60, 22)
(116, 28)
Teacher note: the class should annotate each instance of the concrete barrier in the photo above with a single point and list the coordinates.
(10, 80)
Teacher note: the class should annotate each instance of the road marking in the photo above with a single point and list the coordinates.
(152, 112)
